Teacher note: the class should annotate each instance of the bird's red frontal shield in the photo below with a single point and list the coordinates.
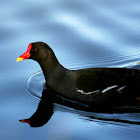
(26, 55)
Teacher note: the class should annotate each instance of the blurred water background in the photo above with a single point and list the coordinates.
(87, 33)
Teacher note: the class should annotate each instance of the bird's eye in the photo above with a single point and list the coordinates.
(35, 49)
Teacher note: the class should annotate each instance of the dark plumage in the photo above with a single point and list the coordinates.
(92, 86)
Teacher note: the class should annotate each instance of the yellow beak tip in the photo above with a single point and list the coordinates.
(19, 59)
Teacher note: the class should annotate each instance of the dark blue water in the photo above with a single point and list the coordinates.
(87, 33)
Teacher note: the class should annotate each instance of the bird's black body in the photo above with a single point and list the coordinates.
(92, 86)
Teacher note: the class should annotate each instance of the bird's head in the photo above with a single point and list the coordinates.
(37, 51)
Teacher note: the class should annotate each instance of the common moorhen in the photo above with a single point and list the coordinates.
(92, 86)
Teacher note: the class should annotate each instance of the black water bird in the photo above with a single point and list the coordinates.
(100, 88)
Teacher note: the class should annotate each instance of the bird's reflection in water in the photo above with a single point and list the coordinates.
(44, 110)
(46, 107)
(109, 105)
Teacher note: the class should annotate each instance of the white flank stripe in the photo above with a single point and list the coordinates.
(108, 88)
(83, 92)
(121, 88)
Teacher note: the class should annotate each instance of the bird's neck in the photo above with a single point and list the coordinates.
(53, 70)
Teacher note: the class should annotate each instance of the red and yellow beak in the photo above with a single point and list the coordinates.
(26, 55)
